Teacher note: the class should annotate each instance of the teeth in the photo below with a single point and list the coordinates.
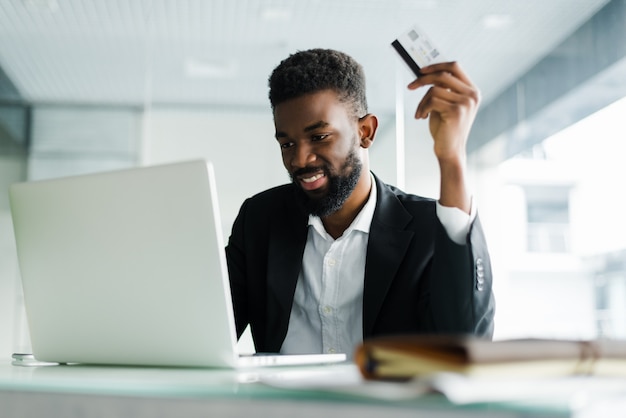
(312, 179)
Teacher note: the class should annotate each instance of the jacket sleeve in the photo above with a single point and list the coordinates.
(237, 270)
(461, 280)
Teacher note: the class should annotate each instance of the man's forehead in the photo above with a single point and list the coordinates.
(310, 108)
(325, 95)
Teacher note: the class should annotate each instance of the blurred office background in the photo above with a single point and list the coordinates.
(96, 85)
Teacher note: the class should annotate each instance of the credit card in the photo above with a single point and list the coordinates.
(417, 50)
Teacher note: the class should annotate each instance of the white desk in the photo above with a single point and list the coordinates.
(87, 391)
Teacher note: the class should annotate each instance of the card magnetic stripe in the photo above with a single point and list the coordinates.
(406, 57)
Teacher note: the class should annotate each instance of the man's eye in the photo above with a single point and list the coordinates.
(285, 145)
(319, 137)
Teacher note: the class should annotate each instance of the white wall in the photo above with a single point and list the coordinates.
(422, 169)
(240, 144)
(72, 140)
(13, 334)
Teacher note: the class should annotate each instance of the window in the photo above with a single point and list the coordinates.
(548, 222)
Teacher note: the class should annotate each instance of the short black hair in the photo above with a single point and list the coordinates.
(319, 69)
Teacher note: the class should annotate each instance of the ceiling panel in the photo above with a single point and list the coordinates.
(220, 52)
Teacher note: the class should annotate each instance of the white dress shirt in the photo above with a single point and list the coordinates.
(327, 311)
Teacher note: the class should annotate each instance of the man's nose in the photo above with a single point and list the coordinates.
(302, 156)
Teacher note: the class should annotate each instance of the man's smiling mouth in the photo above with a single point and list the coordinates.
(312, 178)
(312, 181)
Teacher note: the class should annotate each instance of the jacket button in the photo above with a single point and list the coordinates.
(480, 275)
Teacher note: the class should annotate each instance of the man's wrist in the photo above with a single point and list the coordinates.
(455, 221)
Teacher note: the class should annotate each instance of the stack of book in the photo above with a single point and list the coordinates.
(409, 356)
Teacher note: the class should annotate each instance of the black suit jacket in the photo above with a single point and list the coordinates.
(416, 279)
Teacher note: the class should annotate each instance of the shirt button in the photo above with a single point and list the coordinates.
(327, 309)
(331, 262)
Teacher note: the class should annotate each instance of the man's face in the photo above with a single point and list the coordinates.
(319, 141)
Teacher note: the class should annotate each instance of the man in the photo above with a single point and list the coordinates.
(337, 256)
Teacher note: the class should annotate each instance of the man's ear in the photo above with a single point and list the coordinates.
(367, 129)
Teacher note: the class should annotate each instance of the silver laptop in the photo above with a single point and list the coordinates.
(128, 268)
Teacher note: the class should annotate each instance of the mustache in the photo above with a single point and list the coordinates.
(309, 170)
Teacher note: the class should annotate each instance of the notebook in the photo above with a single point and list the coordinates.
(128, 268)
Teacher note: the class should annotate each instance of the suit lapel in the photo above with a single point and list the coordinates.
(387, 245)
(286, 248)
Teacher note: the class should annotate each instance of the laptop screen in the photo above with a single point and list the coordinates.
(126, 267)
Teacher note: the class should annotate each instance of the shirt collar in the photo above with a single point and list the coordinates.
(363, 220)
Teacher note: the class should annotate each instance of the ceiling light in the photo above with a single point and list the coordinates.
(39, 6)
(497, 21)
(276, 15)
(418, 4)
(210, 69)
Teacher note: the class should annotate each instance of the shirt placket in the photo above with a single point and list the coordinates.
(328, 301)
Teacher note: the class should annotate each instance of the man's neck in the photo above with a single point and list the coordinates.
(337, 223)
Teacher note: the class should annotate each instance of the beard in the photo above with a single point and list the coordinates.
(340, 187)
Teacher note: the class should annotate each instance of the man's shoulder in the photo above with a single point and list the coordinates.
(276, 192)
(405, 210)
(406, 199)
(272, 198)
